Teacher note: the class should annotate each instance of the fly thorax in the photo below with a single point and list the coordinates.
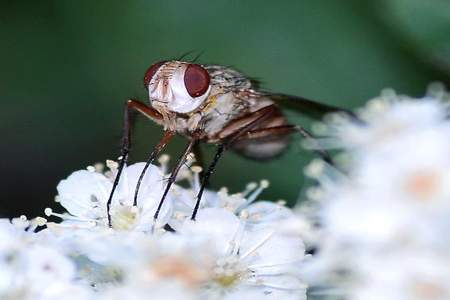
(224, 108)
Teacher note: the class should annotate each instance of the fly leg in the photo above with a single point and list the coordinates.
(205, 178)
(173, 175)
(162, 143)
(131, 105)
(241, 127)
(320, 151)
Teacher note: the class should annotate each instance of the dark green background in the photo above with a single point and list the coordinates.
(67, 67)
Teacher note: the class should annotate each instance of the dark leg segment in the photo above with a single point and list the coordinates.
(126, 142)
(173, 175)
(261, 115)
(321, 152)
(162, 143)
(205, 178)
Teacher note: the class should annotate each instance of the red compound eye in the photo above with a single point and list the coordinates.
(150, 72)
(196, 80)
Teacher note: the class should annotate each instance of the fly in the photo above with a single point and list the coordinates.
(216, 105)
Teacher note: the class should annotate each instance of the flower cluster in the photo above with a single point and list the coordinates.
(376, 224)
(384, 224)
(236, 248)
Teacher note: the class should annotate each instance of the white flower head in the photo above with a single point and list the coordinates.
(384, 120)
(412, 275)
(166, 290)
(33, 270)
(384, 222)
(257, 213)
(84, 194)
(261, 262)
(236, 247)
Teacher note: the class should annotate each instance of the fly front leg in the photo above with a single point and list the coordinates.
(131, 105)
(162, 143)
(173, 175)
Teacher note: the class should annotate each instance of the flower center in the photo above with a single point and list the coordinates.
(389, 131)
(229, 271)
(124, 217)
(428, 290)
(423, 185)
(179, 268)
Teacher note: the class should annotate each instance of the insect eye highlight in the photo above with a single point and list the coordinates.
(150, 72)
(196, 80)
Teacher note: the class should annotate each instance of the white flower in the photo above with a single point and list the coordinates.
(84, 194)
(236, 248)
(392, 194)
(30, 270)
(418, 169)
(161, 291)
(384, 120)
(407, 275)
(384, 223)
(262, 262)
(258, 214)
(214, 257)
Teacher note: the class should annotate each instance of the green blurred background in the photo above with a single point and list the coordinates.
(67, 68)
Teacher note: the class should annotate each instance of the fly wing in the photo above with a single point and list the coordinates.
(305, 106)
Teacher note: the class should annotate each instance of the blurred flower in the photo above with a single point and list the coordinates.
(383, 120)
(405, 275)
(383, 223)
(160, 291)
(31, 270)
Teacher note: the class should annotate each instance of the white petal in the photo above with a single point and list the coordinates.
(84, 194)
(273, 255)
(258, 293)
(265, 213)
(219, 225)
(150, 189)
